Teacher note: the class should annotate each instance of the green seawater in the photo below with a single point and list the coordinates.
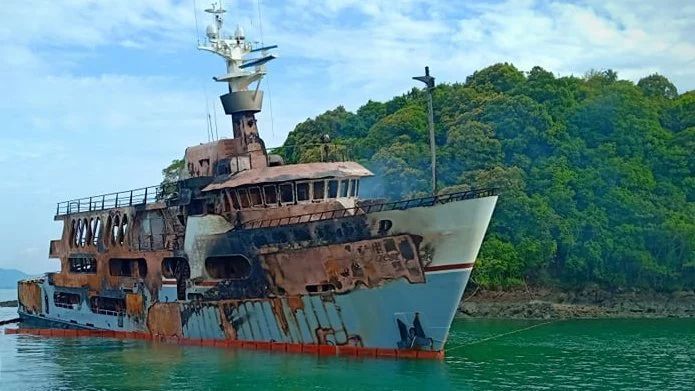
(574, 354)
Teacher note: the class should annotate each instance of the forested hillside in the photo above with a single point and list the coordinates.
(596, 173)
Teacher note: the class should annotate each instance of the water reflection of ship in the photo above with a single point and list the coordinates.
(246, 248)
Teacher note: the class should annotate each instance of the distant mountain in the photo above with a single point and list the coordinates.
(9, 278)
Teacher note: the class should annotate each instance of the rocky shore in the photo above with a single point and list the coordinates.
(539, 303)
(9, 303)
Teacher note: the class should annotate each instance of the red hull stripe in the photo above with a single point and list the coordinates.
(320, 350)
(453, 266)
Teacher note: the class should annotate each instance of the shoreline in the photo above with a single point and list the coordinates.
(546, 303)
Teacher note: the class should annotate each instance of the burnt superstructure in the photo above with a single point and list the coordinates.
(246, 249)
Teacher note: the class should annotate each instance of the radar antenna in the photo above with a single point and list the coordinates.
(242, 70)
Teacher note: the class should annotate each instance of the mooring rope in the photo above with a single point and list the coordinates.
(501, 335)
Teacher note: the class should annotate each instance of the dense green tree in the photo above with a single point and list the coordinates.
(657, 86)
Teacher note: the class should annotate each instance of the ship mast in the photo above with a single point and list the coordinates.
(240, 102)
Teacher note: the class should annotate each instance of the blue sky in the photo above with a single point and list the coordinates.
(98, 96)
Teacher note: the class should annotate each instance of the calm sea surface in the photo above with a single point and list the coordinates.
(577, 354)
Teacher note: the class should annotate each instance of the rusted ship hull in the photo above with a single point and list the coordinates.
(388, 277)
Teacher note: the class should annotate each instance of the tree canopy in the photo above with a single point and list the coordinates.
(596, 173)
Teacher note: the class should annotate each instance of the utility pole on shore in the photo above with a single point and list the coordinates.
(429, 82)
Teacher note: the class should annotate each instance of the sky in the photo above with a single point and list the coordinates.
(99, 96)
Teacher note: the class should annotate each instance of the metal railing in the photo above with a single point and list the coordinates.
(374, 208)
(140, 196)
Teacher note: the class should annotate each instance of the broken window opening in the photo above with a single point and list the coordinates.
(353, 187)
(319, 190)
(228, 267)
(86, 265)
(244, 198)
(96, 231)
(66, 300)
(90, 233)
(128, 267)
(82, 233)
(255, 196)
(123, 232)
(107, 305)
(226, 205)
(271, 195)
(303, 191)
(115, 227)
(235, 200)
(287, 193)
(75, 233)
(178, 268)
(344, 185)
(332, 188)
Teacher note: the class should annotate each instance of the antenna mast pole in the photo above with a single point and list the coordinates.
(429, 83)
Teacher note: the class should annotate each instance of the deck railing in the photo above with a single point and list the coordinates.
(371, 208)
(140, 196)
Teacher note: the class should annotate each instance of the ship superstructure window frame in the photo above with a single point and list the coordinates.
(97, 230)
(128, 267)
(255, 196)
(354, 187)
(344, 188)
(82, 265)
(332, 188)
(244, 200)
(283, 192)
(318, 190)
(107, 305)
(235, 200)
(228, 267)
(270, 194)
(303, 190)
(66, 300)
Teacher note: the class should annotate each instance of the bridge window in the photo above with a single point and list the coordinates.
(66, 300)
(82, 265)
(271, 195)
(255, 196)
(128, 267)
(332, 189)
(319, 190)
(228, 267)
(286, 193)
(244, 198)
(303, 191)
(235, 201)
(353, 187)
(344, 184)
